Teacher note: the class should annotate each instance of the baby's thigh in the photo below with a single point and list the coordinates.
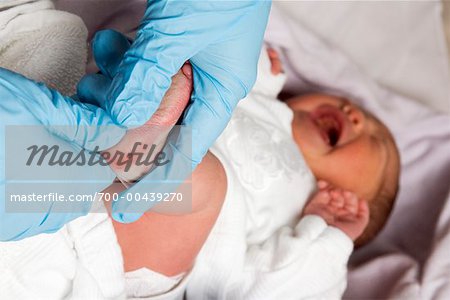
(168, 243)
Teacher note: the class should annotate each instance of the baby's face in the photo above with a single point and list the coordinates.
(341, 143)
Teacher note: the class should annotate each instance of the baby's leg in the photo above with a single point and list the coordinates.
(168, 244)
(131, 158)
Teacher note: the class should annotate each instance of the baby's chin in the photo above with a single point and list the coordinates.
(150, 138)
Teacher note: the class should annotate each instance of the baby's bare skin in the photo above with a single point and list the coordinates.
(339, 208)
(169, 244)
(154, 241)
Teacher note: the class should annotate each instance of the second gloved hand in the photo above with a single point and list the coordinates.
(26, 105)
(221, 39)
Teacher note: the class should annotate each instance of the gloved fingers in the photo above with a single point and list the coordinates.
(139, 79)
(25, 102)
(17, 226)
(85, 125)
(145, 73)
(81, 124)
(109, 47)
(231, 69)
(223, 74)
(93, 89)
(140, 84)
(173, 32)
(209, 112)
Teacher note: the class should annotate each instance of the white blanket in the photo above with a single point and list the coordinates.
(33, 39)
(400, 44)
(411, 252)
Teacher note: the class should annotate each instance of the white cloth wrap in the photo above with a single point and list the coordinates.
(43, 44)
(259, 249)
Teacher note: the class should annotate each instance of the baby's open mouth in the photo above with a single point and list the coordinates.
(330, 123)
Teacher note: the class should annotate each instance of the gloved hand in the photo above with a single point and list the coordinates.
(25, 102)
(221, 39)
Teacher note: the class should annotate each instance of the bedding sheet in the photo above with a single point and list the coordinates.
(401, 44)
(410, 258)
(446, 19)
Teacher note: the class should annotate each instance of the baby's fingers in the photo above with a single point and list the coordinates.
(322, 184)
(276, 66)
(351, 202)
(337, 198)
(323, 197)
(363, 209)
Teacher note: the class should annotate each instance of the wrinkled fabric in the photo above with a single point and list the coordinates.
(259, 248)
(409, 258)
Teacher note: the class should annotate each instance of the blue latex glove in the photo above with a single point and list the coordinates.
(222, 40)
(25, 102)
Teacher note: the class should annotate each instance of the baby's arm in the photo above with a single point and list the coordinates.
(314, 255)
(168, 244)
(308, 259)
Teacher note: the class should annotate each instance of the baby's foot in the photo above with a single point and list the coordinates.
(144, 143)
(175, 100)
(341, 209)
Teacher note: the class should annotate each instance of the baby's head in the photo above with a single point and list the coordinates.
(351, 149)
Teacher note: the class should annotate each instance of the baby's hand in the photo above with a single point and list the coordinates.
(276, 66)
(341, 209)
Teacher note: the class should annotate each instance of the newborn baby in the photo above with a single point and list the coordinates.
(279, 233)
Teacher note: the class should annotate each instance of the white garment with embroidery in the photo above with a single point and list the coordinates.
(259, 249)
